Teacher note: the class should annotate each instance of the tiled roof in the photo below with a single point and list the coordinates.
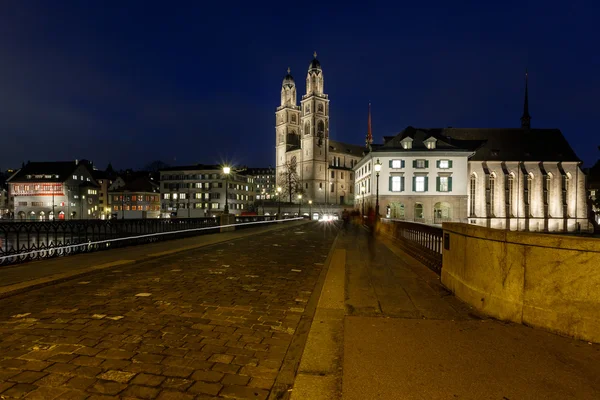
(197, 167)
(345, 148)
(62, 169)
(139, 184)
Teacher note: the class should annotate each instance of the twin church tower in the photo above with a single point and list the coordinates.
(306, 159)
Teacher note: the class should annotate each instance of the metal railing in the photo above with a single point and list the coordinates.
(424, 242)
(27, 241)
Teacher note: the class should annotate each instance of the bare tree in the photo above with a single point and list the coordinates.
(289, 179)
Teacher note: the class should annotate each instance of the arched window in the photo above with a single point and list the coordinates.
(307, 128)
(294, 118)
(548, 189)
(529, 191)
(473, 191)
(510, 185)
(418, 211)
(492, 194)
(320, 128)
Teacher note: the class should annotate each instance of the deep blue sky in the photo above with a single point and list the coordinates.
(131, 82)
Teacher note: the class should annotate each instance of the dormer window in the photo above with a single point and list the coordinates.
(406, 143)
(430, 143)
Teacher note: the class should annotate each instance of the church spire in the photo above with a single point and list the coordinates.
(369, 138)
(526, 118)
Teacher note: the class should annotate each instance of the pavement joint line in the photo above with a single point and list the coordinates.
(325, 383)
(26, 286)
(283, 386)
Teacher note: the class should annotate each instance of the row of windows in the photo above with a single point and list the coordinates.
(197, 185)
(43, 187)
(137, 208)
(80, 178)
(191, 177)
(492, 192)
(421, 184)
(42, 204)
(419, 164)
(135, 198)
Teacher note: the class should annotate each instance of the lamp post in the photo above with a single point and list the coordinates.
(226, 171)
(310, 209)
(263, 201)
(377, 170)
(53, 201)
(278, 202)
(299, 205)
(362, 192)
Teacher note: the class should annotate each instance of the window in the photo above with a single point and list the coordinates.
(294, 118)
(167, 196)
(444, 184)
(332, 174)
(407, 145)
(472, 191)
(397, 183)
(547, 191)
(420, 164)
(307, 128)
(214, 205)
(420, 183)
(492, 179)
(396, 163)
(341, 175)
(320, 108)
(510, 183)
(75, 177)
(444, 164)
(331, 187)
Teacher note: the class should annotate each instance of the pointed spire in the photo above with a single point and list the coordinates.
(315, 54)
(369, 138)
(289, 70)
(526, 118)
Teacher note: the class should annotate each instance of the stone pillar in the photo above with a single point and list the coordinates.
(227, 219)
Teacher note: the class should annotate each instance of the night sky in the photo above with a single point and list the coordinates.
(199, 83)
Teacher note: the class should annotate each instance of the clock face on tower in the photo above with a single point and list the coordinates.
(90, 201)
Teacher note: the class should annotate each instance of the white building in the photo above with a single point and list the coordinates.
(200, 191)
(423, 178)
(307, 161)
(54, 190)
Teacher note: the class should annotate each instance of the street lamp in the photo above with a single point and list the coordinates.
(377, 170)
(299, 204)
(226, 171)
(278, 202)
(263, 201)
(362, 192)
(310, 209)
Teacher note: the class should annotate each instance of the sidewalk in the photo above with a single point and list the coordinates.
(15, 279)
(403, 336)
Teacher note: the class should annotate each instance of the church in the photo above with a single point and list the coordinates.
(308, 162)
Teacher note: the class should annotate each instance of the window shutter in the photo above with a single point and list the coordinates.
(402, 183)
(450, 183)
(437, 164)
(450, 165)
(437, 183)
(426, 183)
(414, 186)
(402, 165)
(414, 163)
(390, 188)
(390, 163)
(426, 163)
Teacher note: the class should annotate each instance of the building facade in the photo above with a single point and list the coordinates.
(200, 191)
(423, 178)
(307, 161)
(264, 182)
(137, 198)
(104, 181)
(54, 190)
(514, 178)
(593, 189)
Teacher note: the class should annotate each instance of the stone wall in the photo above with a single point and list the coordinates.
(546, 281)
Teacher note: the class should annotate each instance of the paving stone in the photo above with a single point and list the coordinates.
(53, 380)
(28, 377)
(243, 392)
(207, 376)
(45, 393)
(19, 390)
(178, 372)
(177, 384)
(63, 358)
(8, 373)
(221, 358)
(60, 368)
(259, 372)
(227, 368)
(70, 394)
(87, 361)
(140, 392)
(80, 382)
(238, 380)
(147, 380)
(87, 351)
(262, 383)
(171, 395)
(148, 358)
(107, 387)
(205, 388)
(116, 354)
(6, 385)
(117, 376)
(115, 364)
(89, 372)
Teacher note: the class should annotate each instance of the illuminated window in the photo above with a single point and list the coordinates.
(419, 183)
(396, 164)
(473, 191)
(75, 177)
(492, 179)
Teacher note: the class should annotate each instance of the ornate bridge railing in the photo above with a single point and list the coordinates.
(421, 241)
(26, 241)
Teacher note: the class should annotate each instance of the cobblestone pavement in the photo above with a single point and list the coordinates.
(205, 324)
